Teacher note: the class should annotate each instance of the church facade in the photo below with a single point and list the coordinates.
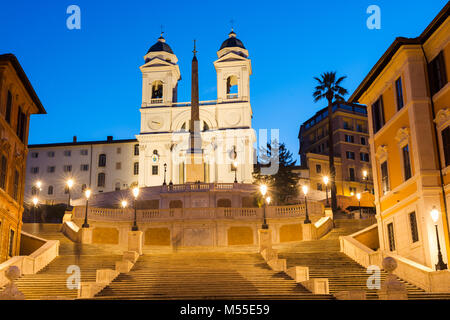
(225, 131)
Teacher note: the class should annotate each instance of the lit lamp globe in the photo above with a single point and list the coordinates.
(268, 199)
(124, 204)
(305, 190)
(136, 192)
(263, 189)
(358, 196)
(35, 201)
(39, 184)
(70, 183)
(434, 215)
(365, 173)
(326, 180)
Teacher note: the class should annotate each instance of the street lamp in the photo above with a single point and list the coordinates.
(135, 194)
(366, 177)
(326, 180)
(305, 191)
(165, 170)
(358, 196)
(35, 203)
(263, 190)
(235, 164)
(69, 186)
(87, 194)
(435, 217)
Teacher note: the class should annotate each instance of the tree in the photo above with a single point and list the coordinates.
(329, 88)
(283, 184)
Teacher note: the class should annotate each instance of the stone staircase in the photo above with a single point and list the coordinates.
(326, 261)
(204, 275)
(51, 281)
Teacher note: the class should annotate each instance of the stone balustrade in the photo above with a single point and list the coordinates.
(315, 210)
(413, 272)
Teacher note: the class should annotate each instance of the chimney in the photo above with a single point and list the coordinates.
(74, 139)
(109, 138)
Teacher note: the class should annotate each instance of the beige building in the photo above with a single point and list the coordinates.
(352, 155)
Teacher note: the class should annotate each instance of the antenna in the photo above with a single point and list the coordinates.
(162, 30)
(232, 24)
(194, 51)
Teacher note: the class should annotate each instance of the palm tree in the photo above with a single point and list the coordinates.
(329, 87)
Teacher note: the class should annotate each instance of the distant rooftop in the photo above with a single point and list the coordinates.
(353, 108)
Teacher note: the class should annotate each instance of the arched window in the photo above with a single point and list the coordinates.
(50, 190)
(117, 187)
(136, 149)
(102, 160)
(232, 87)
(34, 190)
(101, 179)
(157, 89)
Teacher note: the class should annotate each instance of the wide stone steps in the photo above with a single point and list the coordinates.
(204, 276)
(325, 261)
(52, 280)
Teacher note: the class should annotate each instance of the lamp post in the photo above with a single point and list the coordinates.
(165, 170)
(326, 180)
(87, 194)
(35, 203)
(69, 186)
(358, 196)
(235, 164)
(263, 190)
(435, 217)
(366, 177)
(135, 194)
(305, 191)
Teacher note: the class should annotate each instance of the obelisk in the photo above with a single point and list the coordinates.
(194, 155)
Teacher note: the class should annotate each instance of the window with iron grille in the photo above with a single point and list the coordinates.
(406, 162)
(385, 177)
(391, 237)
(446, 144)
(3, 169)
(399, 93)
(413, 225)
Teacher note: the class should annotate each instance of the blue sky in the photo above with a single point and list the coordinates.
(90, 83)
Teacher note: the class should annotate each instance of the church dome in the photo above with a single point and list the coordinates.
(159, 46)
(232, 42)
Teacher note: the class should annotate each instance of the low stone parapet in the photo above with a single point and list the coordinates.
(351, 295)
(317, 285)
(277, 264)
(299, 274)
(124, 266)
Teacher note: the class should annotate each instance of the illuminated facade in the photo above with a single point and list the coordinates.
(408, 98)
(351, 148)
(18, 101)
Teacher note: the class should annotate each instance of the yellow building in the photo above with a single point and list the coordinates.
(408, 98)
(17, 101)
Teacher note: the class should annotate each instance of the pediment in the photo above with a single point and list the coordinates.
(231, 56)
(157, 62)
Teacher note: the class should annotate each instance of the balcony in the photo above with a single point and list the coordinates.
(156, 101)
